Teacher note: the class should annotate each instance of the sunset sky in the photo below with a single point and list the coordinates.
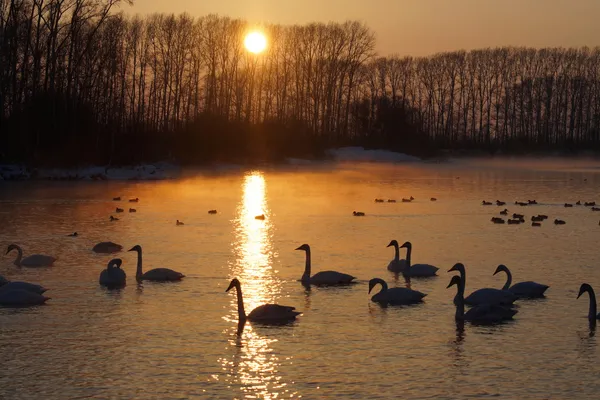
(421, 27)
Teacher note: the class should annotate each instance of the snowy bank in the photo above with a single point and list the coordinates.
(359, 154)
(157, 171)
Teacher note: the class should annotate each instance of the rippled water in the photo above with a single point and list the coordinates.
(172, 341)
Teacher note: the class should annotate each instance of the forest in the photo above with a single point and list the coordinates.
(84, 82)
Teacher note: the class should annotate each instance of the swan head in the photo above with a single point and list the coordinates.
(234, 283)
(406, 245)
(454, 281)
(11, 248)
(116, 262)
(372, 283)
(393, 243)
(457, 267)
(137, 248)
(304, 247)
(584, 288)
(501, 268)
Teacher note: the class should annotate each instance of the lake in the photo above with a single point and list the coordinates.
(178, 340)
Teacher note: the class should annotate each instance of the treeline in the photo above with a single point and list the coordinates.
(82, 83)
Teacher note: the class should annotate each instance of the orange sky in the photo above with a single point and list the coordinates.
(421, 27)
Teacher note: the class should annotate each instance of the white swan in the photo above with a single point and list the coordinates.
(417, 270)
(113, 275)
(526, 289)
(107, 248)
(483, 313)
(396, 265)
(394, 296)
(483, 296)
(30, 287)
(323, 277)
(592, 316)
(35, 260)
(267, 313)
(156, 274)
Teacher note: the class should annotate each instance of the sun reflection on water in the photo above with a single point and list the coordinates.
(254, 365)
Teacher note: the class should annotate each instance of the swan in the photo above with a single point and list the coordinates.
(527, 289)
(113, 275)
(36, 260)
(107, 248)
(417, 270)
(21, 298)
(482, 313)
(30, 287)
(323, 277)
(394, 296)
(267, 313)
(156, 274)
(396, 265)
(483, 296)
(592, 316)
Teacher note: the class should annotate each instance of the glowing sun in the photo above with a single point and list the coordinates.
(255, 42)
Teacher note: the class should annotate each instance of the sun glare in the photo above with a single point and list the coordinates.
(255, 42)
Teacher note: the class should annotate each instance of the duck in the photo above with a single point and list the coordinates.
(483, 296)
(595, 208)
(433, 199)
(107, 248)
(396, 265)
(21, 298)
(113, 276)
(358, 213)
(266, 313)
(497, 220)
(482, 313)
(536, 218)
(31, 287)
(504, 212)
(500, 203)
(486, 203)
(212, 211)
(179, 223)
(113, 218)
(536, 224)
(589, 203)
(559, 222)
(378, 200)
(532, 201)
(394, 296)
(134, 200)
(74, 234)
(592, 316)
(156, 274)
(391, 201)
(417, 270)
(260, 217)
(323, 277)
(116, 198)
(131, 210)
(578, 202)
(405, 200)
(526, 289)
(514, 221)
(568, 205)
(119, 210)
(35, 260)
(518, 216)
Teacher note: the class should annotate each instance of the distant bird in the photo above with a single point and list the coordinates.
(578, 202)
(433, 199)
(378, 200)
(119, 210)
(500, 203)
(156, 274)
(518, 216)
(261, 217)
(522, 204)
(532, 201)
(113, 218)
(497, 220)
(266, 313)
(536, 224)
(74, 234)
(595, 209)
(536, 219)
(592, 316)
(107, 248)
(35, 260)
(391, 201)
(542, 216)
(568, 205)
(179, 222)
(134, 200)
(486, 203)
(212, 211)
(559, 222)
(504, 212)
(514, 221)
(323, 277)
(405, 200)
(116, 199)
(358, 213)
(590, 204)
(526, 289)
(132, 210)
(394, 296)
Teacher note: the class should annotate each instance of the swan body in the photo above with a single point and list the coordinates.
(30, 287)
(156, 274)
(113, 275)
(592, 316)
(417, 270)
(323, 277)
(396, 265)
(266, 313)
(526, 289)
(107, 248)
(482, 296)
(36, 260)
(394, 296)
(483, 313)
(21, 298)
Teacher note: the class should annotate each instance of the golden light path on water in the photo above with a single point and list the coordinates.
(253, 366)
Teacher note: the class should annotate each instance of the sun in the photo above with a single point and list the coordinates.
(255, 42)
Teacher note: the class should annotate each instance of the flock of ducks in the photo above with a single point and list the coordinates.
(536, 220)
(487, 305)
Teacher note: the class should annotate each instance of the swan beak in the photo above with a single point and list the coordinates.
(299, 248)
(131, 249)
(451, 269)
(450, 284)
(497, 270)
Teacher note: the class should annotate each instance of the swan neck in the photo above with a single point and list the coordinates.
(592, 313)
(306, 275)
(240, 301)
(19, 256)
(408, 256)
(397, 252)
(508, 279)
(139, 272)
(460, 301)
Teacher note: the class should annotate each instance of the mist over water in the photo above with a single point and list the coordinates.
(163, 341)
